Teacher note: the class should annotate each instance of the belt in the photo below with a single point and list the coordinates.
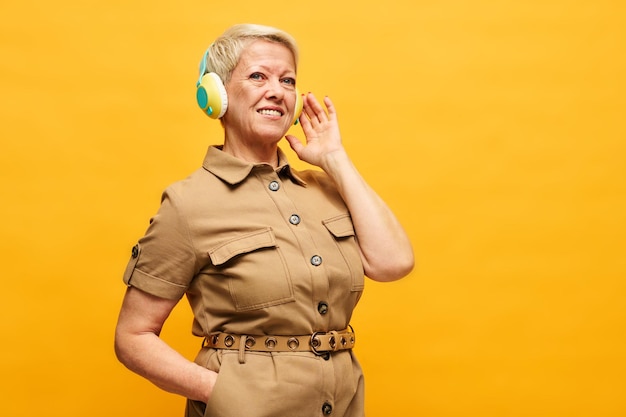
(319, 343)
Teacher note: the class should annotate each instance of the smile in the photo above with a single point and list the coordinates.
(269, 112)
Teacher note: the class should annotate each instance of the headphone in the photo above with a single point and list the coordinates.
(212, 98)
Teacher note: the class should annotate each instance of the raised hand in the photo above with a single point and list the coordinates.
(321, 131)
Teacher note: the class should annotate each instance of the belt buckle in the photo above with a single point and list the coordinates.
(314, 343)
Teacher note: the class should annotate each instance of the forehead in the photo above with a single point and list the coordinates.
(272, 55)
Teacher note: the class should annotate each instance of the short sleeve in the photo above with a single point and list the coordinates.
(164, 261)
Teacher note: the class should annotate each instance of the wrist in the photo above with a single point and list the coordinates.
(334, 161)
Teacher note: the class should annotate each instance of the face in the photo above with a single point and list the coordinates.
(261, 94)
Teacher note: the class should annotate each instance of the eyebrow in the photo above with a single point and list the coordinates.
(266, 68)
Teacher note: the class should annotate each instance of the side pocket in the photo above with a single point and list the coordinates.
(195, 408)
(214, 364)
(342, 229)
(211, 359)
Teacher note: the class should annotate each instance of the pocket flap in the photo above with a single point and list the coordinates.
(340, 226)
(242, 244)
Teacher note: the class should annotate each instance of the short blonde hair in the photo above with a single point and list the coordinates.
(223, 55)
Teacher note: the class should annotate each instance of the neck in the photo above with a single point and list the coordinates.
(254, 153)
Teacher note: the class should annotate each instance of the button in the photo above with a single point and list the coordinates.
(294, 219)
(274, 186)
(327, 408)
(316, 260)
(322, 307)
(135, 251)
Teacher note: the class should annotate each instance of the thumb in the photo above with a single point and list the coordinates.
(295, 144)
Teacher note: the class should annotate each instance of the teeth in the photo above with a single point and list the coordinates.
(270, 112)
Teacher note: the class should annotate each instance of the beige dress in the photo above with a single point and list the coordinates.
(259, 251)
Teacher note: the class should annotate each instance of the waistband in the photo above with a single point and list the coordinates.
(319, 343)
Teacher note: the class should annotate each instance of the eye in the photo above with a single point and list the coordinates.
(256, 76)
(289, 81)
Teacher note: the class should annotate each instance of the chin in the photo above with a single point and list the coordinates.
(269, 134)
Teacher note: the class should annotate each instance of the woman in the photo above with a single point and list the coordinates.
(271, 260)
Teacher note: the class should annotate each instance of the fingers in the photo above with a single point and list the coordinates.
(330, 107)
(314, 110)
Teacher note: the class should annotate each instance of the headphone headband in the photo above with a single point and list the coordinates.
(202, 69)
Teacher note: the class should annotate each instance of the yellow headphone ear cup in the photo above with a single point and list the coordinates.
(211, 95)
(298, 108)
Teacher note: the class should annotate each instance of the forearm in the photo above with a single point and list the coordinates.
(385, 247)
(139, 347)
(149, 356)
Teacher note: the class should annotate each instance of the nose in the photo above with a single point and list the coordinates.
(275, 90)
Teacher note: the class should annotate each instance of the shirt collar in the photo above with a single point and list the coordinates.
(234, 170)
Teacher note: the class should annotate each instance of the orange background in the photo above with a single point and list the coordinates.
(495, 130)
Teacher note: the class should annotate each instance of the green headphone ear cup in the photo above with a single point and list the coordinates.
(211, 95)
(298, 108)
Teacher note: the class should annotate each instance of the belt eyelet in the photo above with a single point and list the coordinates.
(250, 341)
(293, 343)
(270, 342)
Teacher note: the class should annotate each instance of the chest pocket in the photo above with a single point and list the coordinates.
(255, 269)
(342, 229)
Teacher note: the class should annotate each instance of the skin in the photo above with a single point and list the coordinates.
(262, 99)
(385, 248)
(263, 80)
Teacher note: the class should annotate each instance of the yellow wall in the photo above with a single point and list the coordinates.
(494, 129)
